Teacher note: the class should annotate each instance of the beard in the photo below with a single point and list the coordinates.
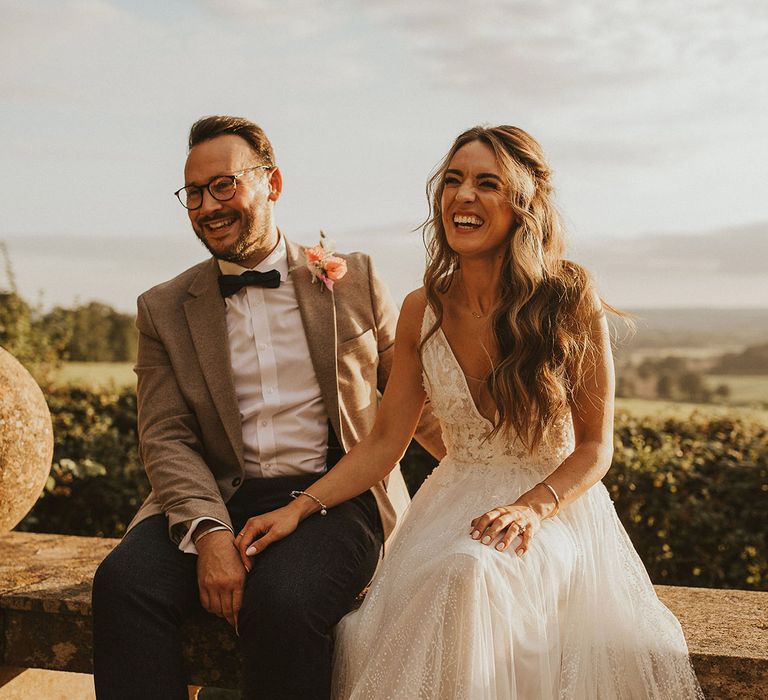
(253, 232)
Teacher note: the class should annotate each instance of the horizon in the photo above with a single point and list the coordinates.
(725, 271)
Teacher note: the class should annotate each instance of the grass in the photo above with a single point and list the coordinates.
(678, 409)
(95, 375)
(745, 390)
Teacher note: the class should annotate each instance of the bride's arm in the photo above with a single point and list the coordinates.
(592, 411)
(370, 460)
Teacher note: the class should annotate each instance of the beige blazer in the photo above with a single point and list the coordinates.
(190, 436)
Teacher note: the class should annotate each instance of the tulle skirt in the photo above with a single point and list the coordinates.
(447, 617)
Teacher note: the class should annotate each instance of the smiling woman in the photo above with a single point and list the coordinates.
(511, 575)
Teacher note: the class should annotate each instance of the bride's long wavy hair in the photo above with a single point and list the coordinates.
(547, 307)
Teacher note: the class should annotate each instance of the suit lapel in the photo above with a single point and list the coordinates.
(317, 308)
(206, 317)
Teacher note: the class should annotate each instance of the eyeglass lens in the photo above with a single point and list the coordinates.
(222, 189)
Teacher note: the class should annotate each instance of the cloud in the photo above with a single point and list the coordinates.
(573, 43)
(297, 18)
(626, 71)
(720, 268)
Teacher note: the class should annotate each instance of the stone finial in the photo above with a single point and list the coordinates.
(26, 441)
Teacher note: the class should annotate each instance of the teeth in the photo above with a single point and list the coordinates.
(470, 220)
(216, 225)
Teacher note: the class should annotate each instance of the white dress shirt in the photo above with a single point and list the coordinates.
(285, 424)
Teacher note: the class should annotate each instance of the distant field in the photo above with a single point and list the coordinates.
(675, 409)
(637, 355)
(96, 374)
(746, 390)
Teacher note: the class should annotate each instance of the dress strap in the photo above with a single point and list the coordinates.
(427, 320)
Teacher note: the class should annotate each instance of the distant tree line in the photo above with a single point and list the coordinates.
(41, 341)
(752, 360)
(92, 332)
(676, 378)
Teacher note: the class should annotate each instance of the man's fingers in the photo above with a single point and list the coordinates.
(205, 599)
(237, 603)
(225, 598)
(226, 608)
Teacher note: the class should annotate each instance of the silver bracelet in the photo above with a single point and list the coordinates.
(323, 508)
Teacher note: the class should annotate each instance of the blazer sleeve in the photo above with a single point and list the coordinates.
(428, 432)
(170, 444)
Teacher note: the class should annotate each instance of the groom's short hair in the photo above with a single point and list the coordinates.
(220, 125)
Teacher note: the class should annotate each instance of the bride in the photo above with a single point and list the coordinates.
(511, 575)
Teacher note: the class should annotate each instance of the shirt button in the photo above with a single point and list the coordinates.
(271, 390)
(264, 423)
(262, 346)
(267, 466)
(236, 481)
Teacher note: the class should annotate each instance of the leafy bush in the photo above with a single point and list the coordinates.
(691, 493)
(97, 482)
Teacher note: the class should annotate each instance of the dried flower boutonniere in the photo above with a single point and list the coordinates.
(324, 265)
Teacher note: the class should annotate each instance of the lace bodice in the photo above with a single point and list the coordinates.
(465, 431)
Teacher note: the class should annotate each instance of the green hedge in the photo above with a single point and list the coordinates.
(97, 482)
(693, 494)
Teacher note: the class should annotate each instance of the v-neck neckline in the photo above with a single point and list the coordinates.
(464, 379)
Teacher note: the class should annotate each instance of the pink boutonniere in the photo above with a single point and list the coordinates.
(324, 265)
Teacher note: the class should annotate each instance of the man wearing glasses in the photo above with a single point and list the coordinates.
(252, 381)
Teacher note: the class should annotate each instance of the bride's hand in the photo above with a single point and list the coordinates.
(262, 530)
(506, 522)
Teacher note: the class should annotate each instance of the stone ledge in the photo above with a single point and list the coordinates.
(45, 608)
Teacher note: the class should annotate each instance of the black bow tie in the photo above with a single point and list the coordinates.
(229, 284)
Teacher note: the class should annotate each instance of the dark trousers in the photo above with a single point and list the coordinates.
(298, 589)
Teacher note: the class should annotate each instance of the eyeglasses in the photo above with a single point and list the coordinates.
(221, 188)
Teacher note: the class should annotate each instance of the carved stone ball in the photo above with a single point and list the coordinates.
(26, 441)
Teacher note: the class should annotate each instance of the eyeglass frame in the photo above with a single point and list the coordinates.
(207, 186)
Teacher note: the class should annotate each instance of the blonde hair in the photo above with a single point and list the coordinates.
(547, 304)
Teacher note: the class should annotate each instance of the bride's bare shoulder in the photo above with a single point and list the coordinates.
(412, 312)
(415, 301)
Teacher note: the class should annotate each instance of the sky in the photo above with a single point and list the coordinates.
(651, 113)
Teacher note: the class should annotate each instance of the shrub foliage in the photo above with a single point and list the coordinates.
(691, 493)
(96, 482)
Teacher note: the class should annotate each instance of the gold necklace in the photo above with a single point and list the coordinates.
(473, 313)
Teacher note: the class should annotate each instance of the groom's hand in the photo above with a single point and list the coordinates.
(220, 575)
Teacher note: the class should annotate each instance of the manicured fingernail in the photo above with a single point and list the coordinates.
(519, 552)
(486, 539)
(250, 551)
(475, 534)
(500, 546)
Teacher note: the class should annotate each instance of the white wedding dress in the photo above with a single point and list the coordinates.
(448, 618)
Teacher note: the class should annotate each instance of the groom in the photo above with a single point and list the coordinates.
(253, 379)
